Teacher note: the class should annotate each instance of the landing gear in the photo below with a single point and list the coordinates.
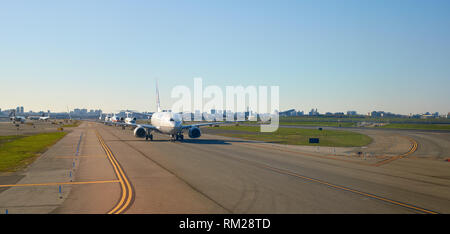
(177, 137)
(148, 135)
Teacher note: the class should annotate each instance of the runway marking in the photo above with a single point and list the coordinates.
(127, 191)
(373, 196)
(79, 143)
(305, 153)
(369, 195)
(412, 149)
(61, 183)
(287, 172)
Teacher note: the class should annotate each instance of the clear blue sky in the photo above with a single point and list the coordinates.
(333, 55)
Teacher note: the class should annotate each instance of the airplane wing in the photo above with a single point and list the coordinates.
(202, 124)
(149, 126)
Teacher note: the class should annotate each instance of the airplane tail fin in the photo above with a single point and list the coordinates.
(12, 113)
(158, 104)
(70, 117)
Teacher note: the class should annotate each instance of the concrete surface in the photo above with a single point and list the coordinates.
(217, 174)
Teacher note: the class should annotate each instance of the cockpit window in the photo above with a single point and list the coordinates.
(172, 120)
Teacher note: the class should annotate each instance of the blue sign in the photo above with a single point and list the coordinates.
(313, 140)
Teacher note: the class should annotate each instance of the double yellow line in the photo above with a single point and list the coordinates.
(412, 149)
(127, 191)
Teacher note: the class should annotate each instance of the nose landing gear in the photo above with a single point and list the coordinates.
(149, 135)
(177, 137)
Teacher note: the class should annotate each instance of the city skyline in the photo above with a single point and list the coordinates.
(297, 112)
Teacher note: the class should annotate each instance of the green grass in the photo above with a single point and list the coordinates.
(360, 119)
(319, 123)
(4, 139)
(296, 136)
(18, 151)
(418, 126)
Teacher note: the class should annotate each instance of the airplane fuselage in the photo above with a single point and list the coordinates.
(130, 120)
(115, 119)
(18, 119)
(167, 122)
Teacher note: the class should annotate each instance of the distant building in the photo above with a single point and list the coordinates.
(314, 112)
(426, 116)
(290, 112)
(352, 113)
(376, 114)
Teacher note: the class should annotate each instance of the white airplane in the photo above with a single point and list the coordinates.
(45, 118)
(168, 123)
(116, 119)
(13, 117)
(130, 120)
(107, 119)
(36, 117)
(33, 117)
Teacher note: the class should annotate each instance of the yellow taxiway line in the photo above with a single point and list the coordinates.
(412, 149)
(287, 172)
(127, 191)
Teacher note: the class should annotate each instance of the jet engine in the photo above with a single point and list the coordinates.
(140, 132)
(195, 133)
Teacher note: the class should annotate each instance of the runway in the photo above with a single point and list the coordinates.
(217, 174)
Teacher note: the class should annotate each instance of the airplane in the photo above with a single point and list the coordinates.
(68, 112)
(130, 120)
(13, 117)
(168, 123)
(116, 119)
(45, 118)
(36, 117)
(33, 117)
(107, 119)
